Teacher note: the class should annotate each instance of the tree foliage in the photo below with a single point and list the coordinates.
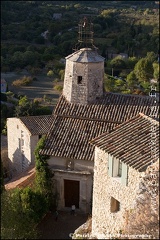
(15, 223)
(30, 108)
(23, 208)
(43, 180)
(143, 70)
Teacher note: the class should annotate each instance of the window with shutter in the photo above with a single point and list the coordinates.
(110, 165)
(124, 177)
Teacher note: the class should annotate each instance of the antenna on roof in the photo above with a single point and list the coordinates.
(85, 34)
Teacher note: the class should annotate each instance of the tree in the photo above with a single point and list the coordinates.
(17, 60)
(156, 70)
(151, 56)
(118, 62)
(29, 58)
(43, 180)
(15, 224)
(30, 108)
(131, 80)
(131, 62)
(143, 70)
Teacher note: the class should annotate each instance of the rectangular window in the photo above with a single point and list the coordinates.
(115, 205)
(40, 136)
(79, 79)
(119, 169)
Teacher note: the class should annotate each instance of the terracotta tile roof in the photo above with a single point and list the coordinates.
(131, 142)
(69, 137)
(37, 124)
(75, 124)
(112, 107)
(22, 180)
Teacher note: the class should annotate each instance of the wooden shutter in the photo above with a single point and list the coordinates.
(110, 165)
(124, 177)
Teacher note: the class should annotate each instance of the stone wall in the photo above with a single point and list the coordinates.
(104, 222)
(78, 170)
(19, 152)
(91, 85)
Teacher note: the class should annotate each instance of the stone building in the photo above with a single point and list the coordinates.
(121, 158)
(83, 112)
(23, 134)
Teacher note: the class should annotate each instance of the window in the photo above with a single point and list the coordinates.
(115, 205)
(40, 136)
(79, 79)
(118, 170)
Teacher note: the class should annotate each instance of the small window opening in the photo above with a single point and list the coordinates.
(115, 205)
(79, 79)
(40, 136)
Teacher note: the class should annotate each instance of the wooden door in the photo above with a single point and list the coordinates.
(71, 193)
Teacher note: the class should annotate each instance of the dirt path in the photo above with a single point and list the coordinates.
(37, 89)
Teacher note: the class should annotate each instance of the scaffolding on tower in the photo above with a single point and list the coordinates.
(85, 35)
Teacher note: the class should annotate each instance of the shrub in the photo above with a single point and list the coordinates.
(26, 80)
(50, 73)
(37, 100)
(58, 88)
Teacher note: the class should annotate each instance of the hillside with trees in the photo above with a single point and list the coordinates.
(118, 27)
(36, 36)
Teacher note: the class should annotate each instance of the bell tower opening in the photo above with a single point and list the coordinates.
(79, 79)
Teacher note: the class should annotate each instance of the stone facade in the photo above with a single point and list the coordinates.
(21, 145)
(104, 222)
(73, 170)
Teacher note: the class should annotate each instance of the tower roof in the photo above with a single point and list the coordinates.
(85, 55)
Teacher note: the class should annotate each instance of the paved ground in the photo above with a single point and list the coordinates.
(63, 227)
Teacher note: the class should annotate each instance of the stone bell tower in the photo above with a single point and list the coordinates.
(84, 71)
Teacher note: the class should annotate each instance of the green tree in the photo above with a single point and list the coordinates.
(17, 60)
(132, 80)
(156, 70)
(43, 180)
(131, 62)
(15, 224)
(29, 58)
(30, 108)
(118, 62)
(151, 56)
(143, 70)
(108, 83)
